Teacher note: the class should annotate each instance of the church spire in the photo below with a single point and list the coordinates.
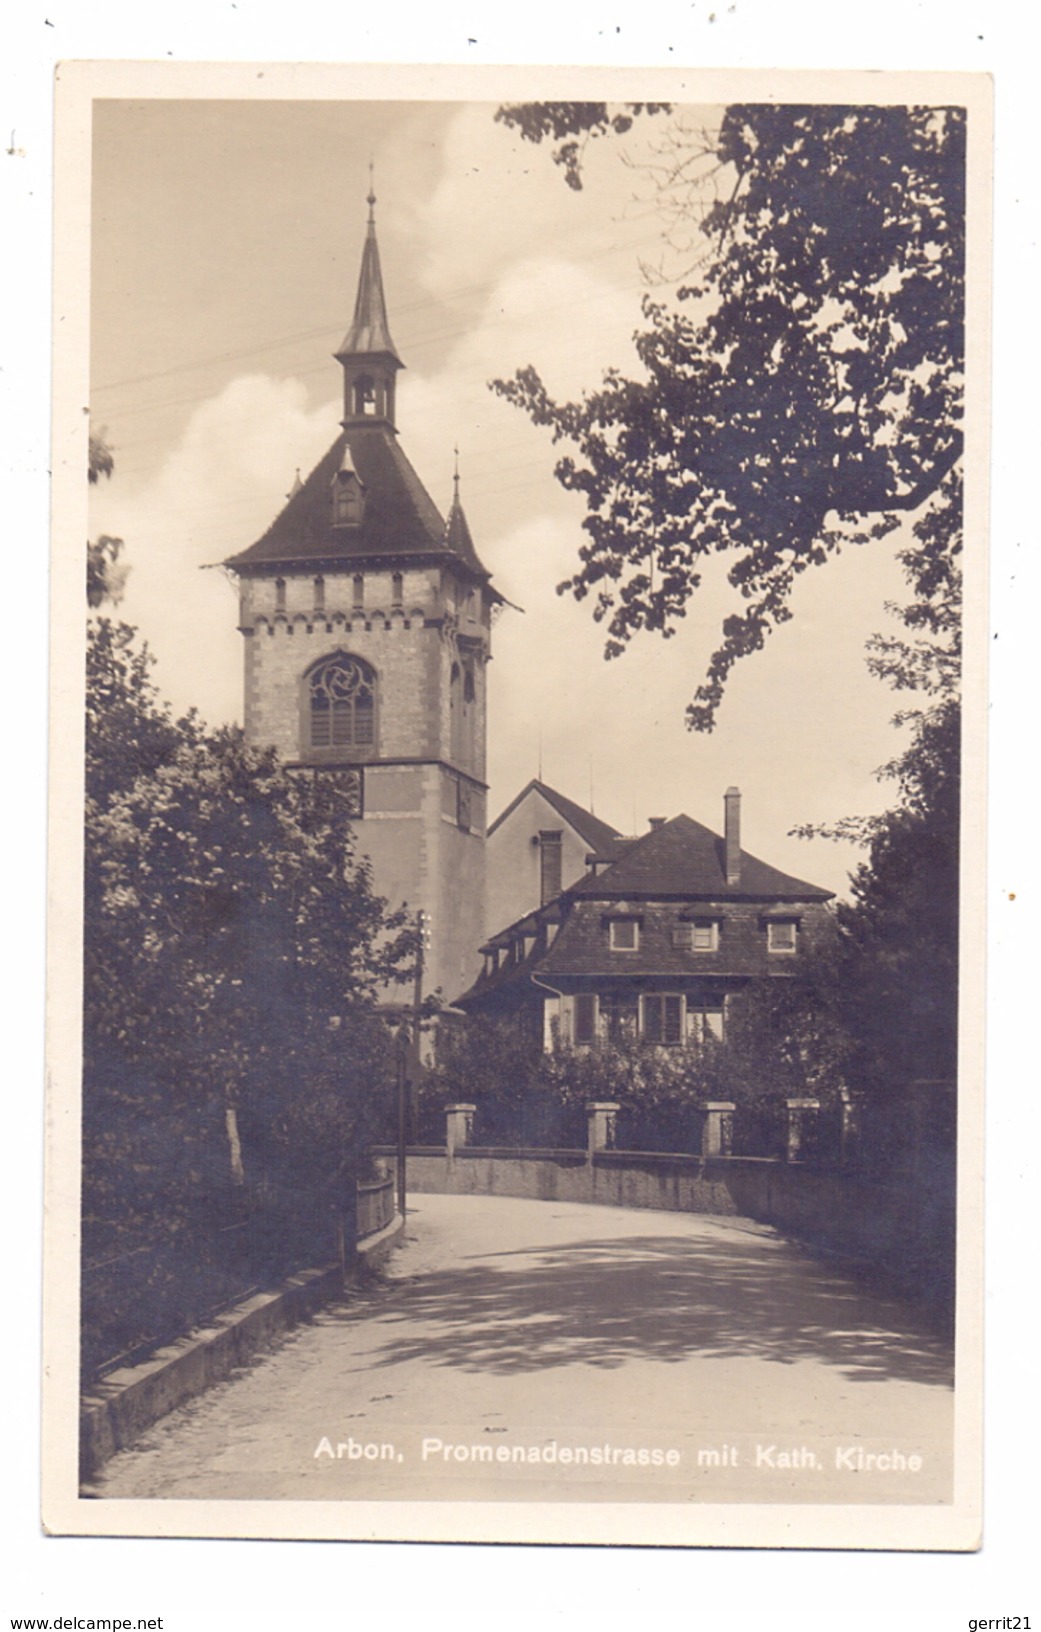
(457, 529)
(367, 355)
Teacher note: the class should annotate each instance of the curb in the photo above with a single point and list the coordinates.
(115, 1412)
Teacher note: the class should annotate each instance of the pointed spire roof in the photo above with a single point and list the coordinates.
(369, 331)
(458, 538)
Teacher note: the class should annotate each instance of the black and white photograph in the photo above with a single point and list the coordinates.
(517, 1074)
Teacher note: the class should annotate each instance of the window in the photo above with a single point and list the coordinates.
(550, 865)
(618, 1016)
(348, 499)
(585, 1018)
(319, 594)
(358, 592)
(342, 698)
(780, 935)
(397, 589)
(704, 1024)
(624, 934)
(364, 395)
(464, 805)
(662, 1015)
(280, 594)
(701, 935)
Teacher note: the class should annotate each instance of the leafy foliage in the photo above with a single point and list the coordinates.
(235, 1065)
(784, 1038)
(571, 125)
(812, 398)
(899, 959)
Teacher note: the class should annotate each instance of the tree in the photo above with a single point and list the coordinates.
(805, 395)
(783, 1037)
(571, 125)
(813, 400)
(235, 1064)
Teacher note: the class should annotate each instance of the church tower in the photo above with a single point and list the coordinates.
(366, 620)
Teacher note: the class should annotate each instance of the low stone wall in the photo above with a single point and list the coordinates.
(898, 1227)
(114, 1412)
(687, 1184)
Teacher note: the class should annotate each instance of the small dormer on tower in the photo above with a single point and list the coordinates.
(348, 494)
(368, 357)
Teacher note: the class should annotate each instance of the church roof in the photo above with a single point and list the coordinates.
(682, 858)
(369, 331)
(396, 519)
(399, 519)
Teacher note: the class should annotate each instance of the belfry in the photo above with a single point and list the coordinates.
(366, 620)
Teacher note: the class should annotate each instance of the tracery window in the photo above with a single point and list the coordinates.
(342, 704)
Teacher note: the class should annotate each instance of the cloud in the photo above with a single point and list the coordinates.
(216, 492)
(801, 722)
(501, 201)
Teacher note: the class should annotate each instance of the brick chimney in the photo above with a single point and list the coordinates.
(732, 834)
(656, 822)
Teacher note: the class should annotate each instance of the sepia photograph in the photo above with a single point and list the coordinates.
(519, 748)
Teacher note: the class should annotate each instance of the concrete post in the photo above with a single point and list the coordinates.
(717, 1132)
(459, 1127)
(601, 1117)
(800, 1113)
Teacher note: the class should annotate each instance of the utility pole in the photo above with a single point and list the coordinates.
(402, 1073)
(422, 937)
(408, 1078)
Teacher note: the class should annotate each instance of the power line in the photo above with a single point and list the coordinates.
(404, 308)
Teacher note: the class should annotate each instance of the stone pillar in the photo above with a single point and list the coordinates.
(601, 1125)
(459, 1127)
(800, 1113)
(717, 1132)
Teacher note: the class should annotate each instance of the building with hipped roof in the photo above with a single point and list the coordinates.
(654, 940)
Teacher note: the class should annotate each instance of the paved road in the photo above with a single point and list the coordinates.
(540, 1350)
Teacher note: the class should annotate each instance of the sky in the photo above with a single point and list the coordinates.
(225, 249)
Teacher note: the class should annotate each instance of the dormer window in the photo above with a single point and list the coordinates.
(624, 934)
(348, 499)
(697, 935)
(781, 935)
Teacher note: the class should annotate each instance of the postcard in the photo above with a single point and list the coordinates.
(515, 1019)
